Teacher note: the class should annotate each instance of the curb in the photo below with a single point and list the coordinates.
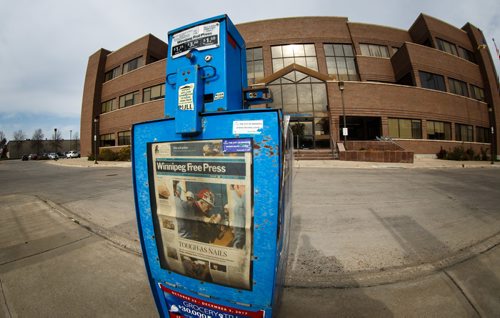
(388, 276)
(128, 245)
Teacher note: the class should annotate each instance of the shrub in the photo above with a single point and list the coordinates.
(483, 154)
(124, 154)
(442, 153)
(107, 155)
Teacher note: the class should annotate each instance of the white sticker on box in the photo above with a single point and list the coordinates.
(200, 37)
(185, 101)
(247, 127)
(219, 95)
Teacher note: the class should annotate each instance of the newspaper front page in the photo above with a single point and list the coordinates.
(202, 209)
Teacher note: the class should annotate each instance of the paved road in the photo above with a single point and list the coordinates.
(406, 236)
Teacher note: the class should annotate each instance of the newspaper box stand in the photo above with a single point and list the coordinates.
(212, 184)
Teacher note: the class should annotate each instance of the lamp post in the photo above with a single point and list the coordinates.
(55, 141)
(70, 131)
(96, 121)
(344, 129)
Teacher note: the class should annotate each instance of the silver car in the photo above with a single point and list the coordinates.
(72, 154)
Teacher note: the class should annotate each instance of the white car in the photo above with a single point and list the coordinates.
(53, 156)
(72, 154)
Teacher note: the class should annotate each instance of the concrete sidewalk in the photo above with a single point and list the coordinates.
(52, 267)
(53, 264)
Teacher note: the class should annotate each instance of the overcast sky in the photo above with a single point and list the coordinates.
(45, 44)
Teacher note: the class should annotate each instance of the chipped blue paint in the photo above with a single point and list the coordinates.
(266, 190)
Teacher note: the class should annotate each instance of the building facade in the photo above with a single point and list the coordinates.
(430, 87)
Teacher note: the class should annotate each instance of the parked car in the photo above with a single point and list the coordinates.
(33, 156)
(53, 156)
(72, 154)
(61, 154)
(24, 158)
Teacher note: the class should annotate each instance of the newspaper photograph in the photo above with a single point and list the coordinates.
(202, 209)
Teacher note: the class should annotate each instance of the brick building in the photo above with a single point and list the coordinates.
(430, 87)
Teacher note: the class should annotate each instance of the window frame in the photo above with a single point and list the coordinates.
(416, 132)
(135, 99)
(111, 74)
(475, 90)
(105, 140)
(374, 50)
(446, 129)
(483, 134)
(137, 62)
(435, 77)
(446, 46)
(281, 58)
(466, 54)
(252, 62)
(106, 108)
(332, 57)
(148, 92)
(464, 129)
(123, 136)
(458, 87)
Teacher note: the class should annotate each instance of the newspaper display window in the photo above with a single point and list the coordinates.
(202, 209)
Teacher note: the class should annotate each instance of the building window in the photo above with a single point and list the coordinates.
(446, 46)
(108, 106)
(107, 140)
(302, 54)
(477, 93)
(255, 65)
(305, 99)
(458, 87)
(466, 54)
(153, 93)
(432, 81)
(438, 130)
(374, 50)
(483, 134)
(405, 128)
(112, 74)
(463, 132)
(129, 99)
(132, 65)
(124, 138)
(340, 61)
(297, 92)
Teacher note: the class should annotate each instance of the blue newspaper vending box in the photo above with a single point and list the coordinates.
(212, 184)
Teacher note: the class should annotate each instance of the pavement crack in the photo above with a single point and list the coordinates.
(5, 299)
(106, 234)
(47, 250)
(463, 293)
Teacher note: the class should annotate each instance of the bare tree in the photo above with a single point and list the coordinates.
(37, 140)
(2, 135)
(19, 136)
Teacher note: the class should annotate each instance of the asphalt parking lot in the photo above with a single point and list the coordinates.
(365, 241)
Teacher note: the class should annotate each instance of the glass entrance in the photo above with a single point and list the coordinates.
(302, 133)
(304, 98)
(310, 133)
